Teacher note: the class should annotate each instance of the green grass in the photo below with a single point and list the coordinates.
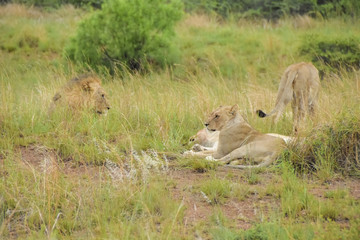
(222, 63)
(198, 165)
(216, 190)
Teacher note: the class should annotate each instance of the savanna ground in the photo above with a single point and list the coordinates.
(81, 176)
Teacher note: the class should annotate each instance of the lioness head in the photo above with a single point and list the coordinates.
(218, 118)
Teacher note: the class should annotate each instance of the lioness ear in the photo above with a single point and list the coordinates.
(234, 109)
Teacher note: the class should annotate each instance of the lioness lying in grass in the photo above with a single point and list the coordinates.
(238, 140)
(205, 140)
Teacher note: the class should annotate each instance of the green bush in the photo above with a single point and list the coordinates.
(332, 53)
(127, 33)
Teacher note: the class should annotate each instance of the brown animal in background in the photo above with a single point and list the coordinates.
(299, 84)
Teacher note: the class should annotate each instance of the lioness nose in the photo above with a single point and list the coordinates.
(206, 124)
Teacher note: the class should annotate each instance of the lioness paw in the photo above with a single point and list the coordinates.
(197, 148)
(189, 153)
(210, 158)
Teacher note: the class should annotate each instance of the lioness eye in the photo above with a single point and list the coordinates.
(102, 95)
(216, 116)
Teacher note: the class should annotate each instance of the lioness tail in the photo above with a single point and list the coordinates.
(284, 96)
(260, 113)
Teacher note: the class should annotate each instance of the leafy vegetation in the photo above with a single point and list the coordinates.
(130, 34)
(269, 9)
(275, 9)
(332, 54)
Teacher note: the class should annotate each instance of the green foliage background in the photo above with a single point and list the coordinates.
(270, 9)
(274, 9)
(332, 54)
(58, 3)
(139, 34)
(125, 33)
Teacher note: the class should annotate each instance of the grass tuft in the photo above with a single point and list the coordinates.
(216, 190)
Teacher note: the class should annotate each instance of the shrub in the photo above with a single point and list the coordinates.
(332, 53)
(127, 33)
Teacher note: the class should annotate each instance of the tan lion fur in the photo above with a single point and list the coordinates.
(299, 84)
(238, 140)
(82, 92)
(205, 140)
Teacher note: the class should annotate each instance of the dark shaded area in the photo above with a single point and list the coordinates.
(274, 9)
(57, 3)
(269, 9)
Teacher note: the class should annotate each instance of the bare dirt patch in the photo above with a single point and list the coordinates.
(244, 213)
(43, 159)
(254, 208)
(350, 184)
(37, 156)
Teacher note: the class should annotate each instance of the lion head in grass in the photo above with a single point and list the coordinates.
(82, 92)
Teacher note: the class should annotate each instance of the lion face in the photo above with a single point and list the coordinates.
(218, 118)
(101, 103)
(84, 92)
